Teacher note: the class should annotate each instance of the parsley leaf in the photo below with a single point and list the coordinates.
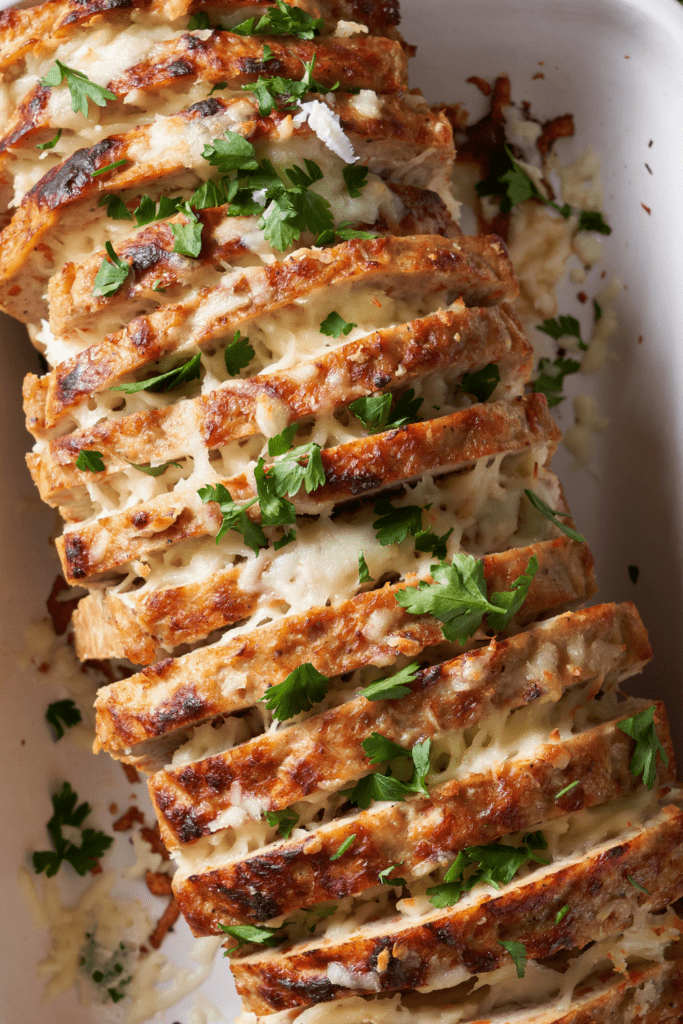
(168, 381)
(111, 274)
(550, 380)
(275, 91)
(458, 597)
(281, 20)
(52, 143)
(517, 951)
(384, 875)
(567, 789)
(551, 515)
(275, 509)
(238, 354)
(563, 327)
(355, 178)
(147, 211)
(188, 237)
(343, 847)
(562, 913)
(344, 232)
(641, 728)
(597, 310)
(90, 461)
(234, 516)
(93, 843)
(363, 571)
(116, 208)
(391, 687)
(284, 540)
(153, 470)
(62, 713)
(286, 821)
(637, 885)
(79, 85)
(302, 688)
(515, 186)
(592, 220)
(282, 442)
(291, 473)
(379, 748)
(334, 326)
(384, 786)
(496, 864)
(199, 20)
(434, 543)
(394, 524)
(374, 411)
(246, 933)
(482, 383)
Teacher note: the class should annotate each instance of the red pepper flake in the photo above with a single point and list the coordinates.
(647, 209)
(539, 74)
(582, 297)
(640, 339)
(481, 84)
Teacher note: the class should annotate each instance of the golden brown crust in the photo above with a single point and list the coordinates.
(461, 338)
(40, 29)
(177, 693)
(478, 269)
(416, 834)
(353, 470)
(324, 752)
(397, 131)
(469, 937)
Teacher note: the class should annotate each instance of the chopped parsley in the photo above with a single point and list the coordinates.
(106, 968)
(112, 272)
(286, 821)
(550, 380)
(116, 208)
(395, 524)
(384, 875)
(147, 211)
(515, 186)
(246, 933)
(334, 326)
(375, 411)
(154, 470)
(637, 885)
(434, 544)
(562, 913)
(275, 509)
(52, 143)
(302, 688)
(551, 515)
(384, 785)
(482, 383)
(517, 951)
(458, 597)
(363, 571)
(93, 843)
(282, 442)
(284, 540)
(597, 310)
(355, 178)
(79, 85)
(238, 354)
(199, 20)
(283, 93)
(344, 233)
(392, 687)
(592, 220)
(563, 327)
(109, 167)
(62, 713)
(164, 382)
(90, 461)
(633, 573)
(234, 516)
(495, 864)
(343, 847)
(281, 20)
(641, 728)
(300, 467)
(188, 236)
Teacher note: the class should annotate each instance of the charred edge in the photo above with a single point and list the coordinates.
(68, 180)
(205, 108)
(185, 707)
(76, 553)
(29, 115)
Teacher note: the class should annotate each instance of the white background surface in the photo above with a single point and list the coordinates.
(632, 514)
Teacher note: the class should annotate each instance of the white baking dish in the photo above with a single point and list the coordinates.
(617, 65)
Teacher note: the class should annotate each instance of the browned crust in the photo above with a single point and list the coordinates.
(478, 269)
(516, 795)
(461, 338)
(324, 753)
(72, 181)
(177, 693)
(41, 28)
(364, 62)
(470, 937)
(353, 470)
(154, 264)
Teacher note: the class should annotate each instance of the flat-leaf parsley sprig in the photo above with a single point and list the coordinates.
(66, 814)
